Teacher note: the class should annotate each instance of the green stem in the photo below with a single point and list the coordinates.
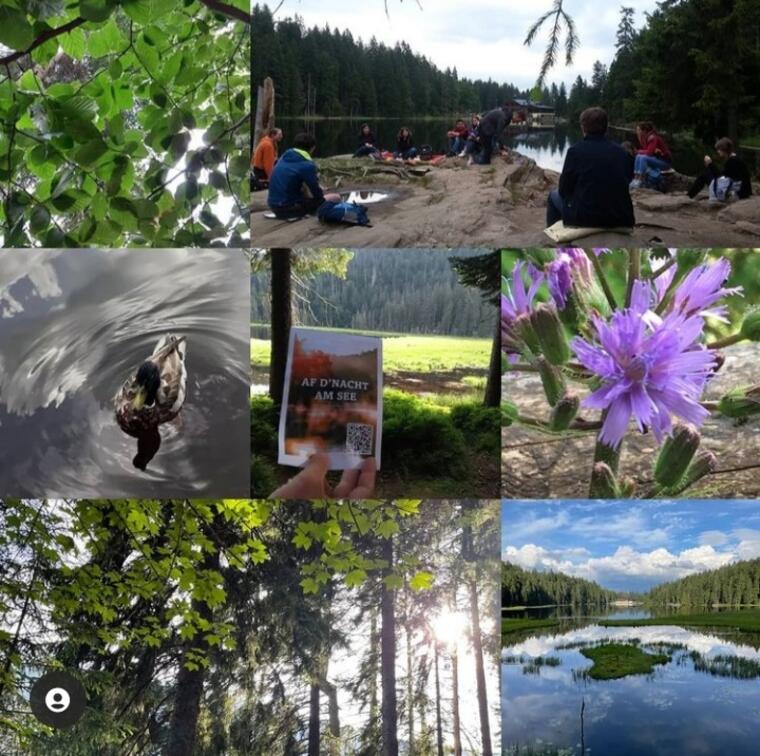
(606, 454)
(677, 278)
(727, 342)
(634, 273)
(602, 279)
(667, 266)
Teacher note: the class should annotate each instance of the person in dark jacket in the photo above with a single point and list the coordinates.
(367, 142)
(491, 126)
(405, 149)
(593, 187)
(734, 168)
(294, 188)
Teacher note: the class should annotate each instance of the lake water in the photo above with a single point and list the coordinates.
(547, 147)
(678, 709)
(75, 324)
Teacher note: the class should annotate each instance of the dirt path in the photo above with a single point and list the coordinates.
(503, 204)
(539, 466)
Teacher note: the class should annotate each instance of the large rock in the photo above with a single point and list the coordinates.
(747, 210)
(662, 203)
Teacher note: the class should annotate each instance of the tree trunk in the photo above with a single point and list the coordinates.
(264, 118)
(493, 384)
(388, 658)
(409, 682)
(281, 320)
(438, 724)
(374, 642)
(477, 644)
(332, 704)
(314, 720)
(189, 688)
(455, 703)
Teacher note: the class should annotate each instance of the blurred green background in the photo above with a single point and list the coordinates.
(745, 271)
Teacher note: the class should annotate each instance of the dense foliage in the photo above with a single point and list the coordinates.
(206, 627)
(521, 587)
(124, 122)
(386, 290)
(329, 73)
(732, 585)
(693, 67)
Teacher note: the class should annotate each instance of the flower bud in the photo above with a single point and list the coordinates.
(703, 464)
(603, 482)
(523, 330)
(676, 455)
(552, 380)
(627, 488)
(564, 412)
(551, 334)
(740, 402)
(751, 326)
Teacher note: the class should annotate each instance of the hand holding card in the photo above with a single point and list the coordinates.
(332, 399)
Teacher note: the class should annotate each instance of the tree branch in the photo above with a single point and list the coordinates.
(228, 10)
(44, 37)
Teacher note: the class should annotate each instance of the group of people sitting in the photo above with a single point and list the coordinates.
(594, 186)
(598, 175)
(476, 141)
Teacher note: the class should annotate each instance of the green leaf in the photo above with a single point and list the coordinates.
(15, 30)
(90, 152)
(28, 83)
(108, 39)
(74, 44)
(147, 11)
(355, 577)
(387, 528)
(96, 10)
(422, 581)
(393, 582)
(39, 220)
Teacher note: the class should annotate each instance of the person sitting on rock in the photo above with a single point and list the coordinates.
(265, 156)
(367, 143)
(735, 171)
(294, 188)
(405, 149)
(653, 154)
(472, 142)
(457, 137)
(593, 187)
(490, 129)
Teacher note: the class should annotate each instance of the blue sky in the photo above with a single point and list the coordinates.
(482, 38)
(629, 545)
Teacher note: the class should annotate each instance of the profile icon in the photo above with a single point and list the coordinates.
(58, 699)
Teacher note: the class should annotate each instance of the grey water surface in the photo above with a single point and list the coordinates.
(75, 324)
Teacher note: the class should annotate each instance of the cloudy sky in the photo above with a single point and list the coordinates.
(482, 38)
(629, 546)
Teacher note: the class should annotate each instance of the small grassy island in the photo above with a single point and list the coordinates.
(615, 660)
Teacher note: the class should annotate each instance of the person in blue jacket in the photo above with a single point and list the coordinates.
(294, 188)
(594, 184)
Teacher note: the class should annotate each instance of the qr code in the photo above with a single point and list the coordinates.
(359, 438)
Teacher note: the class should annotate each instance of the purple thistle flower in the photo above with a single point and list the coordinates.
(650, 369)
(702, 288)
(517, 303)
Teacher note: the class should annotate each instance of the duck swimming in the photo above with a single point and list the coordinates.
(155, 393)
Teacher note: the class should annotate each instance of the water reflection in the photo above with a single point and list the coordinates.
(680, 708)
(73, 324)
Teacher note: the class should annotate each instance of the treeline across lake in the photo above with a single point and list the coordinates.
(692, 68)
(329, 73)
(390, 291)
(521, 587)
(733, 585)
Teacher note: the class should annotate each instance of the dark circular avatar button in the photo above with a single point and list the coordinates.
(58, 699)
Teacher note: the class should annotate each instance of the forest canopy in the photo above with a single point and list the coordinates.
(521, 587)
(124, 122)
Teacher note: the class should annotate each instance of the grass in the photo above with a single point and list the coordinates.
(519, 625)
(413, 354)
(747, 621)
(615, 660)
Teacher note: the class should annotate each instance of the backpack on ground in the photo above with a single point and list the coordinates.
(722, 188)
(426, 152)
(343, 212)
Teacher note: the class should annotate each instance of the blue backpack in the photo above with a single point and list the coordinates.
(343, 212)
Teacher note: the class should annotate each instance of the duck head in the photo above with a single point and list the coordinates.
(148, 382)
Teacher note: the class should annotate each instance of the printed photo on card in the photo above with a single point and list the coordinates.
(333, 398)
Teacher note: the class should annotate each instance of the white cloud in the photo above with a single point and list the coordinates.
(713, 538)
(626, 564)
